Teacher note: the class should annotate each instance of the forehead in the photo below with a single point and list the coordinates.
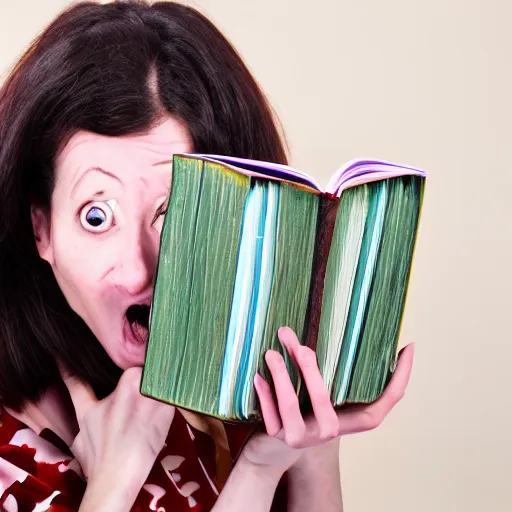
(87, 149)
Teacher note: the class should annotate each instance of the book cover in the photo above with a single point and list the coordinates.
(250, 246)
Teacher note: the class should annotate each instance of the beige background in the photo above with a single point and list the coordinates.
(429, 84)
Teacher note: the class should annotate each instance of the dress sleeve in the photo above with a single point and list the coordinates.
(34, 473)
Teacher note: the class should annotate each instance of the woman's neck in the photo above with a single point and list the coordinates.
(54, 411)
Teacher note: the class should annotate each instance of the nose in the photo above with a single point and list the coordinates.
(136, 262)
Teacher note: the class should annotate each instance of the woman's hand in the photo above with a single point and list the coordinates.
(118, 441)
(288, 431)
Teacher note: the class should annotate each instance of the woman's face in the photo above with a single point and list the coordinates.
(102, 237)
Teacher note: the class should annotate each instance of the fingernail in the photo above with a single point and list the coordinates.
(269, 354)
(282, 331)
(274, 357)
(306, 354)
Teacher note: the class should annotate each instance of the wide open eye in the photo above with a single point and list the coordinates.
(97, 217)
(158, 219)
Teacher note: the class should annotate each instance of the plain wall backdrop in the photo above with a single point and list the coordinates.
(428, 84)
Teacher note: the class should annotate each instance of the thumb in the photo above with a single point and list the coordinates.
(81, 393)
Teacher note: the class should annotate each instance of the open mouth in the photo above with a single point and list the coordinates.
(138, 318)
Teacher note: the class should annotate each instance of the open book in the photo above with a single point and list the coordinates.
(250, 246)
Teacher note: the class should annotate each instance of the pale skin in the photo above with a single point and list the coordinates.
(131, 176)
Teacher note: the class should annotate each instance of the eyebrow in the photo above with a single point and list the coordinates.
(163, 162)
(92, 169)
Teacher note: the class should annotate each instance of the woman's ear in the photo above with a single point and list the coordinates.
(42, 235)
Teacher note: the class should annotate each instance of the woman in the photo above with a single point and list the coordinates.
(89, 120)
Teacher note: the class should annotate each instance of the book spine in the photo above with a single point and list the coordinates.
(328, 210)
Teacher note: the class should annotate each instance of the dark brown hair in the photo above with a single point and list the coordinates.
(112, 69)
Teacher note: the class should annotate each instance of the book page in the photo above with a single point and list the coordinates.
(357, 172)
(352, 173)
(261, 169)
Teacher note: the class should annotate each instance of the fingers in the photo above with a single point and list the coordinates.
(294, 427)
(268, 407)
(81, 393)
(323, 410)
(395, 390)
(367, 417)
(128, 391)
(290, 342)
(285, 420)
(305, 358)
(130, 379)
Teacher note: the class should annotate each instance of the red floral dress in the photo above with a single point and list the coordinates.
(38, 472)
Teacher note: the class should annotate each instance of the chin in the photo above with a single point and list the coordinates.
(130, 361)
(124, 352)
